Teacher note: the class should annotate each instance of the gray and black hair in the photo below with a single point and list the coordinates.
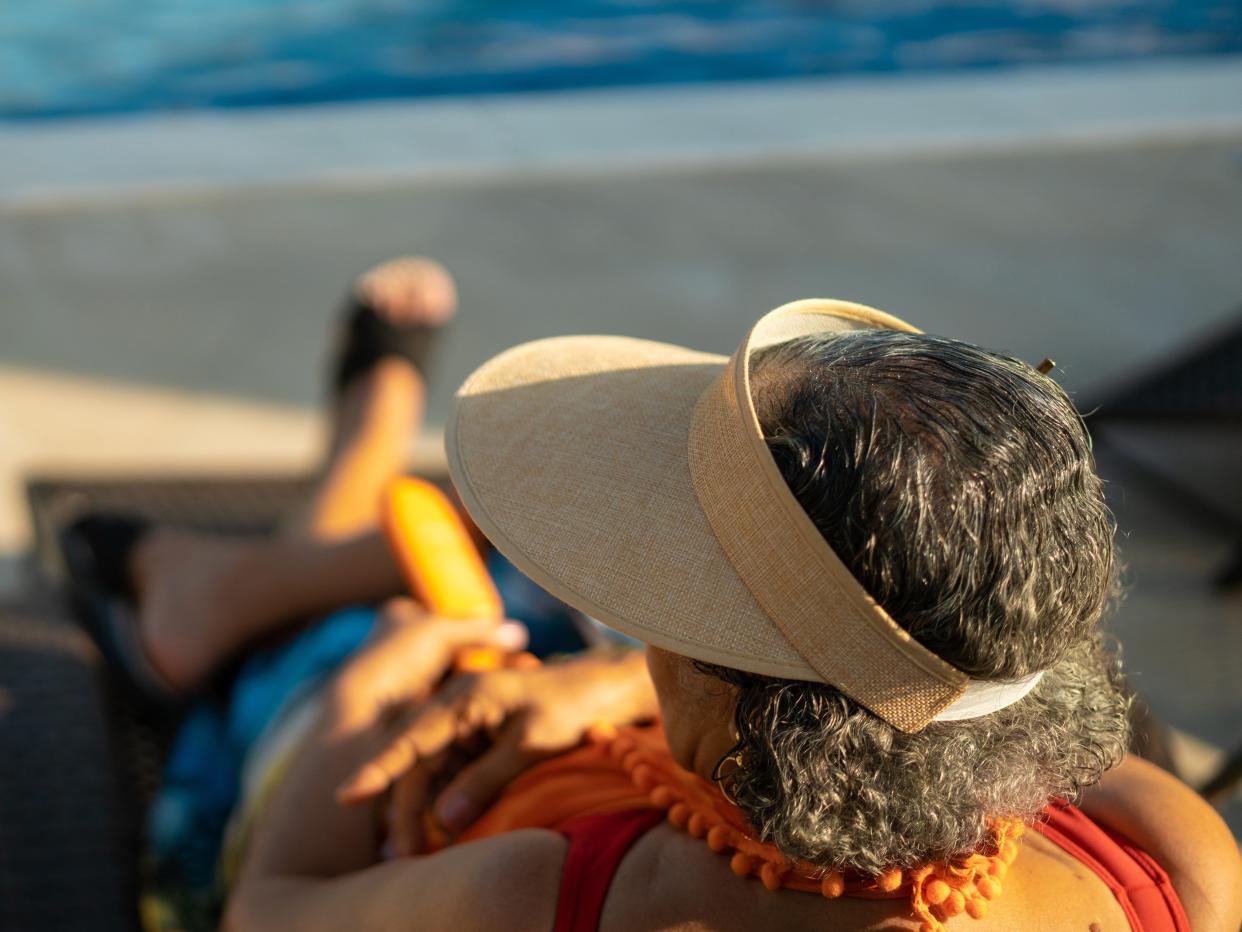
(958, 486)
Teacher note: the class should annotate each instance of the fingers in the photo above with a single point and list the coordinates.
(508, 636)
(439, 638)
(479, 783)
(426, 731)
(410, 651)
(406, 835)
(405, 811)
(398, 611)
(403, 612)
(464, 705)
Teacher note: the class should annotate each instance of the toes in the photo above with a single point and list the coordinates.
(410, 289)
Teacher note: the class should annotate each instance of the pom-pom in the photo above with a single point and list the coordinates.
(662, 796)
(679, 814)
(976, 907)
(936, 891)
(697, 824)
(889, 880)
(718, 838)
(998, 868)
(954, 903)
(740, 864)
(989, 887)
(833, 885)
(930, 927)
(770, 875)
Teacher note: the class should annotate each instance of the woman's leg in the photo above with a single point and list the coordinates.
(203, 598)
(378, 415)
(381, 410)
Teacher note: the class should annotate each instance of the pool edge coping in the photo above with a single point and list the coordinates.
(102, 160)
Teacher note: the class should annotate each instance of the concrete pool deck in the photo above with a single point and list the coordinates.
(167, 284)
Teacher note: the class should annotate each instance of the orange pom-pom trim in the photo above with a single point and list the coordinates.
(833, 885)
(679, 814)
(771, 876)
(889, 880)
(718, 838)
(936, 891)
(697, 826)
(954, 903)
(662, 797)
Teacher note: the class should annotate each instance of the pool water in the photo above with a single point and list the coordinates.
(75, 57)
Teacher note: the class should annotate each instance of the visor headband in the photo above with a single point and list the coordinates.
(796, 578)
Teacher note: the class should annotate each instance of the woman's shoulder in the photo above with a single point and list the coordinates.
(1185, 836)
(1048, 882)
(672, 881)
(519, 875)
(506, 882)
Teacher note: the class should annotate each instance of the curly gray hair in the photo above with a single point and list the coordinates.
(958, 486)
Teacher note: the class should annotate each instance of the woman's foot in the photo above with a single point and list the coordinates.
(191, 596)
(394, 311)
(412, 289)
(197, 597)
(393, 321)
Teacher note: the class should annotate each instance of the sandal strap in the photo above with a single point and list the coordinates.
(370, 336)
(96, 549)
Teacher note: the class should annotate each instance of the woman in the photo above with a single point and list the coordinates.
(869, 566)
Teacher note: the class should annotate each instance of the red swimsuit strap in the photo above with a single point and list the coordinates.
(596, 846)
(1141, 886)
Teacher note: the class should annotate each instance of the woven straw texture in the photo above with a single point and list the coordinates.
(570, 454)
(573, 455)
(784, 560)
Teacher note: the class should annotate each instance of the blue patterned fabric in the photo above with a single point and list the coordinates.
(202, 776)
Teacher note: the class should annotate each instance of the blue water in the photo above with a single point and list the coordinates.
(72, 57)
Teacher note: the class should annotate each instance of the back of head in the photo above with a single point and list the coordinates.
(958, 487)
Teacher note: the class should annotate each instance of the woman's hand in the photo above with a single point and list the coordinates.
(407, 655)
(526, 715)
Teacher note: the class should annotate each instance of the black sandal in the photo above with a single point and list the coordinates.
(96, 549)
(369, 336)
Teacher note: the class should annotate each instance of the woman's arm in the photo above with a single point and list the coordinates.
(504, 882)
(311, 863)
(509, 882)
(1183, 833)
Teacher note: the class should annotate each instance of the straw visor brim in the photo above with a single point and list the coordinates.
(571, 455)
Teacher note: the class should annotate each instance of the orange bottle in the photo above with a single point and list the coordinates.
(439, 561)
